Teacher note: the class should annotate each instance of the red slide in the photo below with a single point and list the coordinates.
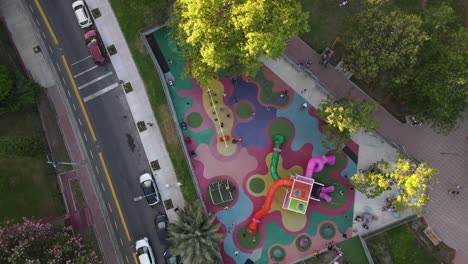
(252, 228)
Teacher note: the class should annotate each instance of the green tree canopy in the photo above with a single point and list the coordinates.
(344, 117)
(194, 236)
(22, 94)
(383, 44)
(35, 242)
(409, 178)
(438, 90)
(6, 82)
(232, 35)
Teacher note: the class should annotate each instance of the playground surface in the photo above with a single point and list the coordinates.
(230, 127)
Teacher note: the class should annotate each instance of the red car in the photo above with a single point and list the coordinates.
(96, 47)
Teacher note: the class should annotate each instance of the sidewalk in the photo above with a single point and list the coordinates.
(139, 104)
(446, 214)
(26, 36)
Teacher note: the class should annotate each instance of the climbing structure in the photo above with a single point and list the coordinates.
(302, 188)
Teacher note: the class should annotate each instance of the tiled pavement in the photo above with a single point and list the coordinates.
(446, 214)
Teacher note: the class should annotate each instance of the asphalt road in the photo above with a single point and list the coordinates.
(116, 134)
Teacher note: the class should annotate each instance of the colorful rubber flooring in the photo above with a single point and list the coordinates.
(254, 110)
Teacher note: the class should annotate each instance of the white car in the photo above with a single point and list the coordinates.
(149, 188)
(82, 14)
(144, 251)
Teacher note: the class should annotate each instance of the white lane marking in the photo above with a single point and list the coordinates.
(95, 80)
(83, 72)
(76, 62)
(101, 92)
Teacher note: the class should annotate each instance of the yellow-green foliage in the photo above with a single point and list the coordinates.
(344, 117)
(409, 178)
(232, 35)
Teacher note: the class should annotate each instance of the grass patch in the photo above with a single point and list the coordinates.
(132, 18)
(328, 20)
(78, 196)
(28, 186)
(155, 165)
(128, 87)
(168, 204)
(398, 245)
(353, 250)
(112, 50)
(96, 13)
(141, 126)
(442, 252)
(8, 56)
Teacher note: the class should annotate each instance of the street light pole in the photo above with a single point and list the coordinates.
(139, 198)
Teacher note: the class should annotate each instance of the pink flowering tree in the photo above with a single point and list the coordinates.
(34, 242)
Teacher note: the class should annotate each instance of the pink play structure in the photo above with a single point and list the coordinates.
(316, 164)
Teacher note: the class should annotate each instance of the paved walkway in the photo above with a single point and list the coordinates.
(446, 214)
(140, 107)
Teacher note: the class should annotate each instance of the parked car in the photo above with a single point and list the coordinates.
(149, 189)
(96, 47)
(161, 226)
(170, 259)
(82, 14)
(144, 251)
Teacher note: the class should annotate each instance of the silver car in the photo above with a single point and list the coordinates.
(149, 188)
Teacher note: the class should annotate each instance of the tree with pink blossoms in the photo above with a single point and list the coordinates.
(35, 242)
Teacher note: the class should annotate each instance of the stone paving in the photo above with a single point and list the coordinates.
(446, 214)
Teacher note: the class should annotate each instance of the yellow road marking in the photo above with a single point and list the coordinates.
(111, 187)
(135, 258)
(102, 186)
(85, 137)
(46, 21)
(77, 93)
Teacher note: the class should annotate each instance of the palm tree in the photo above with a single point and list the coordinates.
(194, 236)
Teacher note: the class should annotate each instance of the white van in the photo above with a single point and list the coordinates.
(82, 14)
(144, 251)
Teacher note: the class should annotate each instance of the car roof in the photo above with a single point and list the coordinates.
(90, 33)
(143, 258)
(77, 3)
(145, 177)
(80, 12)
